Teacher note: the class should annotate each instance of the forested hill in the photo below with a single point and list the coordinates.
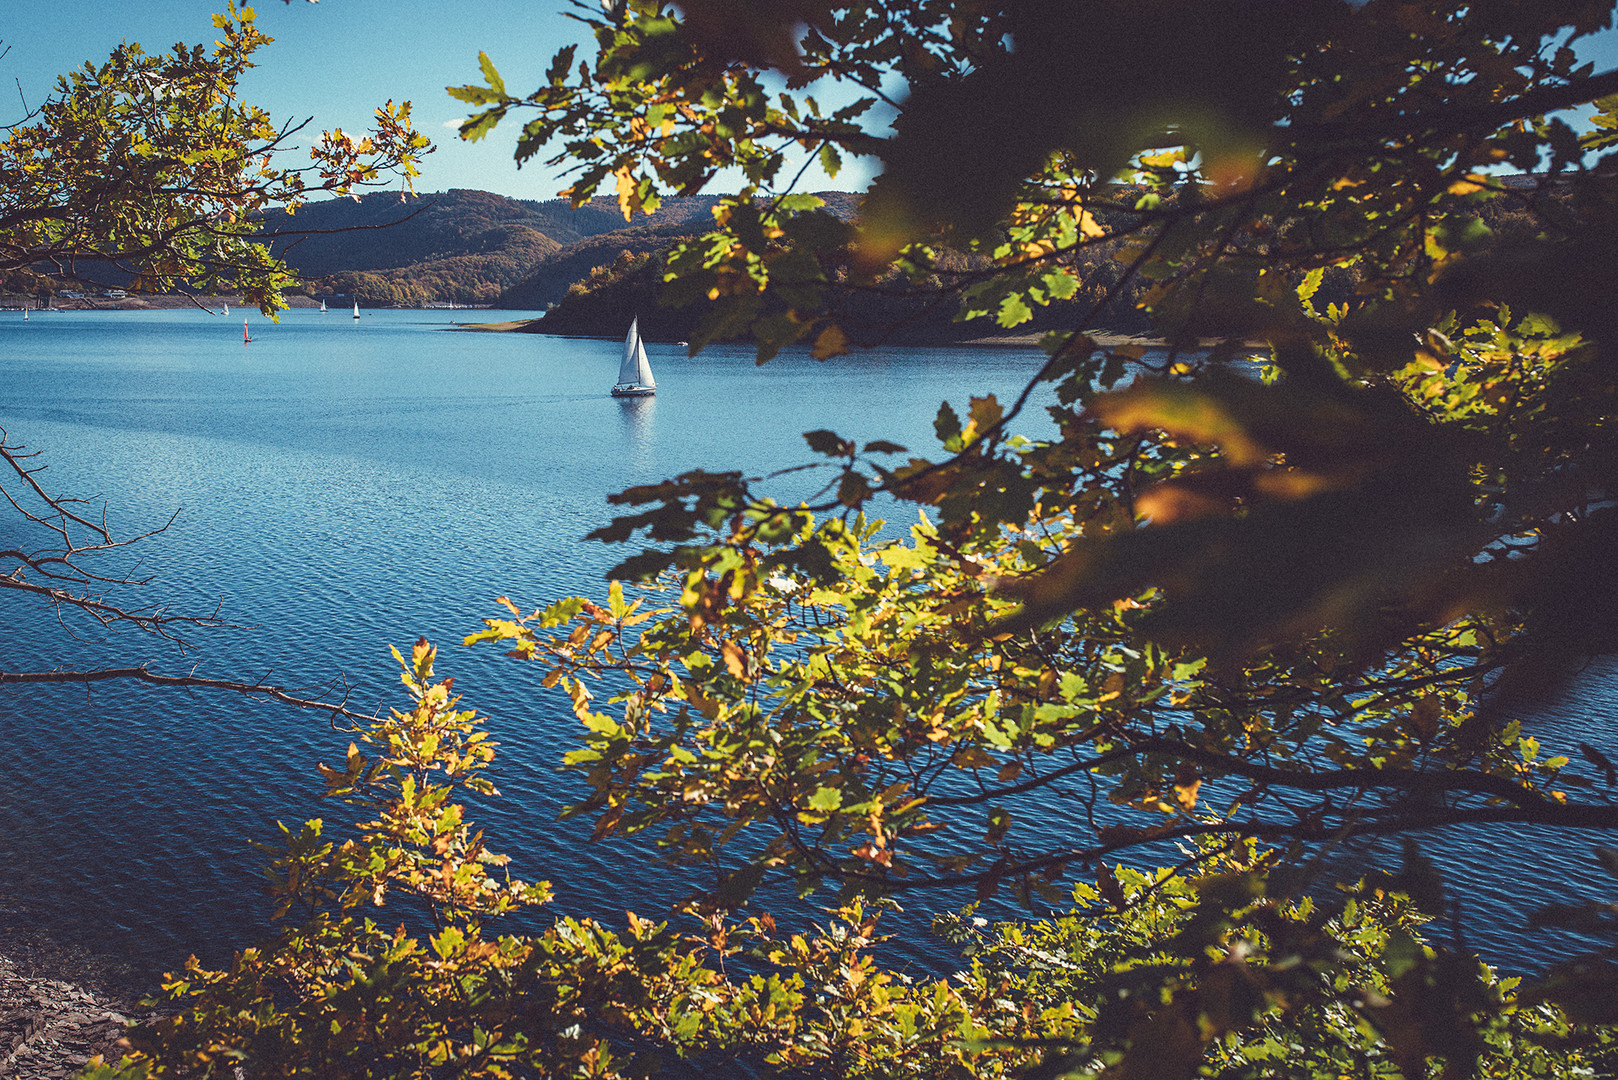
(471, 246)
(389, 248)
(677, 217)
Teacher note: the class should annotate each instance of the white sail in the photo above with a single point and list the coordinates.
(356, 309)
(634, 370)
(643, 369)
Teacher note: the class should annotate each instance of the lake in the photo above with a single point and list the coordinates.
(345, 486)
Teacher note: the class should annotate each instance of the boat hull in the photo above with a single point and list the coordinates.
(633, 391)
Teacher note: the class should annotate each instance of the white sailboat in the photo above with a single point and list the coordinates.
(227, 309)
(323, 307)
(356, 309)
(634, 373)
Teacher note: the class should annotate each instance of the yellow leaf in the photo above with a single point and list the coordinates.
(628, 199)
(1163, 160)
(831, 342)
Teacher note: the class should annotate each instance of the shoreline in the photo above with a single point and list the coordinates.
(1104, 338)
(50, 1026)
(61, 1002)
(169, 302)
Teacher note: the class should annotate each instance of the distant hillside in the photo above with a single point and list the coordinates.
(463, 246)
(601, 214)
(626, 281)
(675, 219)
(470, 246)
(559, 270)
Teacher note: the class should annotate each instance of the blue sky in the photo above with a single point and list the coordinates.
(335, 61)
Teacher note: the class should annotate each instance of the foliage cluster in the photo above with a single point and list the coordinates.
(606, 233)
(1305, 595)
(336, 993)
(891, 310)
(1244, 607)
(154, 165)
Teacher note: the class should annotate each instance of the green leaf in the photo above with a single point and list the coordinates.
(1014, 311)
(561, 64)
(1311, 285)
(562, 611)
(830, 160)
(825, 800)
(496, 83)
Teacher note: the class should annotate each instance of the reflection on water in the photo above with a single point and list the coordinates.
(638, 415)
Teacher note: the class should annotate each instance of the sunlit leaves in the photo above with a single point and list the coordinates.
(1289, 575)
(153, 163)
(337, 993)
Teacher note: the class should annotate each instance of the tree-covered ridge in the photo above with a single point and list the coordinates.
(393, 248)
(467, 246)
(390, 230)
(608, 235)
(587, 263)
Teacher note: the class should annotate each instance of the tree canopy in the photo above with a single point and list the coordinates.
(1301, 576)
(1296, 579)
(153, 163)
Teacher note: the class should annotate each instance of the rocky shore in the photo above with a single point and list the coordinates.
(49, 1028)
(60, 1002)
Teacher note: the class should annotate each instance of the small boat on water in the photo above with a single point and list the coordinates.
(323, 307)
(247, 339)
(227, 309)
(356, 309)
(634, 373)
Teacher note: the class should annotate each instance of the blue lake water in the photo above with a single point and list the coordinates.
(345, 486)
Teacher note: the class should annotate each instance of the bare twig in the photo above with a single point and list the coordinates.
(61, 574)
(141, 673)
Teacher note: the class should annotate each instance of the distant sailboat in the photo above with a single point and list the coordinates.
(227, 309)
(25, 313)
(356, 309)
(247, 339)
(323, 307)
(634, 373)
